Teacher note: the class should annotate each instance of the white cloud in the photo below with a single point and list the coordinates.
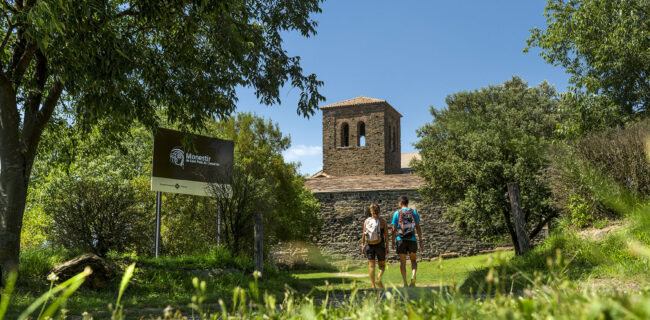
(310, 158)
(301, 151)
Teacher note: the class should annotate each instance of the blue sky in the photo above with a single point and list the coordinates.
(410, 53)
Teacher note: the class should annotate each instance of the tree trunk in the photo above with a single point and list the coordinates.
(511, 230)
(518, 218)
(14, 180)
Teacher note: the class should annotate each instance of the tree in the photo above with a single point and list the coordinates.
(259, 144)
(480, 142)
(604, 45)
(113, 62)
(241, 201)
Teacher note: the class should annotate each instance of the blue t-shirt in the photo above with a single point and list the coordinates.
(396, 223)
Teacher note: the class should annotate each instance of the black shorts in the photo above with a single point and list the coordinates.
(406, 246)
(376, 251)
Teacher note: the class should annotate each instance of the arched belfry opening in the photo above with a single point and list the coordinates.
(361, 134)
(345, 135)
(360, 137)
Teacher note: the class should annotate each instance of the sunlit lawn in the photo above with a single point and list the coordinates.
(430, 274)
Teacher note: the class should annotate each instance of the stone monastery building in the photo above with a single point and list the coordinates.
(363, 164)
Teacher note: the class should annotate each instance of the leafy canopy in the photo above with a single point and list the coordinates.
(481, 141)
(605, 46)
(123, 60)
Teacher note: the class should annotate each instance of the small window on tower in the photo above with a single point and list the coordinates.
(361, 134)
(345, 135)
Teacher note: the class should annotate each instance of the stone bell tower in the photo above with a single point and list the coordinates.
(361, 136)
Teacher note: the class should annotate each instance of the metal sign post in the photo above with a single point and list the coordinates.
(158, 204)
(218, 223)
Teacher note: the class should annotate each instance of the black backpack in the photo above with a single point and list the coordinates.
(406, 223)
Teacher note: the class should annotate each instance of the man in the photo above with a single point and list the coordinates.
(405, 222)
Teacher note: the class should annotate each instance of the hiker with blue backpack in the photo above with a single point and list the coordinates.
(406, 223)
(374, 244)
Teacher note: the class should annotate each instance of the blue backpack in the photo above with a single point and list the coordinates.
(406, 223)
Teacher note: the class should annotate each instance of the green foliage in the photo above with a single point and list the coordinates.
(104, 65)
(480, 142)
(36, 263)
(96, 215)
(156, 282)
(579, 169)
(259, 145)
(241, 201)
(556, 298)
(604, 46)
(144, 55)
(258, 150)
(264, 183)
(580, 211)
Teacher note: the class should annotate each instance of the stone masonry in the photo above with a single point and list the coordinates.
(343, 214)
(355, 175)
(380, 155)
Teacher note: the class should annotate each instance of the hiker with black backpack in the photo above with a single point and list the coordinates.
(406, 223)
(374, 244)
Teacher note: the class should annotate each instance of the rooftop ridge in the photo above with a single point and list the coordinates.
(359, 101)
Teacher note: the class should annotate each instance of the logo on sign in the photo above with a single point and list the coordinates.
(177, 157)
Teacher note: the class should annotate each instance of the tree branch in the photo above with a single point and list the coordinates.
(539, 227)
(36, 94)
(23, 63)
(31, 138)
(126, 12)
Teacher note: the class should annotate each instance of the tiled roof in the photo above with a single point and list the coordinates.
(358, 101)
(354, 102)
(407, 157)
(365, 183)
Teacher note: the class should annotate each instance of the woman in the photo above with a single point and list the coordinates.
(375, 244)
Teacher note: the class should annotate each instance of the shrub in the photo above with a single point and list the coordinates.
(95, 215)
(616, 154)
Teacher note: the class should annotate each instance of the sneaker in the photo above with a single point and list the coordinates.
(412, 283)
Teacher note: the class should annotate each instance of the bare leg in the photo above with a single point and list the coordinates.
(382, 267)
(402, 266)
(414, 266)
(371, 264)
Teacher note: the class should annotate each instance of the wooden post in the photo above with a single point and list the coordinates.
(518, 218)
(259, 244)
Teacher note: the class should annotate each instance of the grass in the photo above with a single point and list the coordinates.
(167, 281)
(555, 299)
(553, 272)
(433, 275)
(156, 283)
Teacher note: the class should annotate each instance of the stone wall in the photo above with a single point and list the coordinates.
(393, 138)
(376, 157)
(343, 214)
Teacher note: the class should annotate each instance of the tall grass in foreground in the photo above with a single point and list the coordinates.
(557, 299)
